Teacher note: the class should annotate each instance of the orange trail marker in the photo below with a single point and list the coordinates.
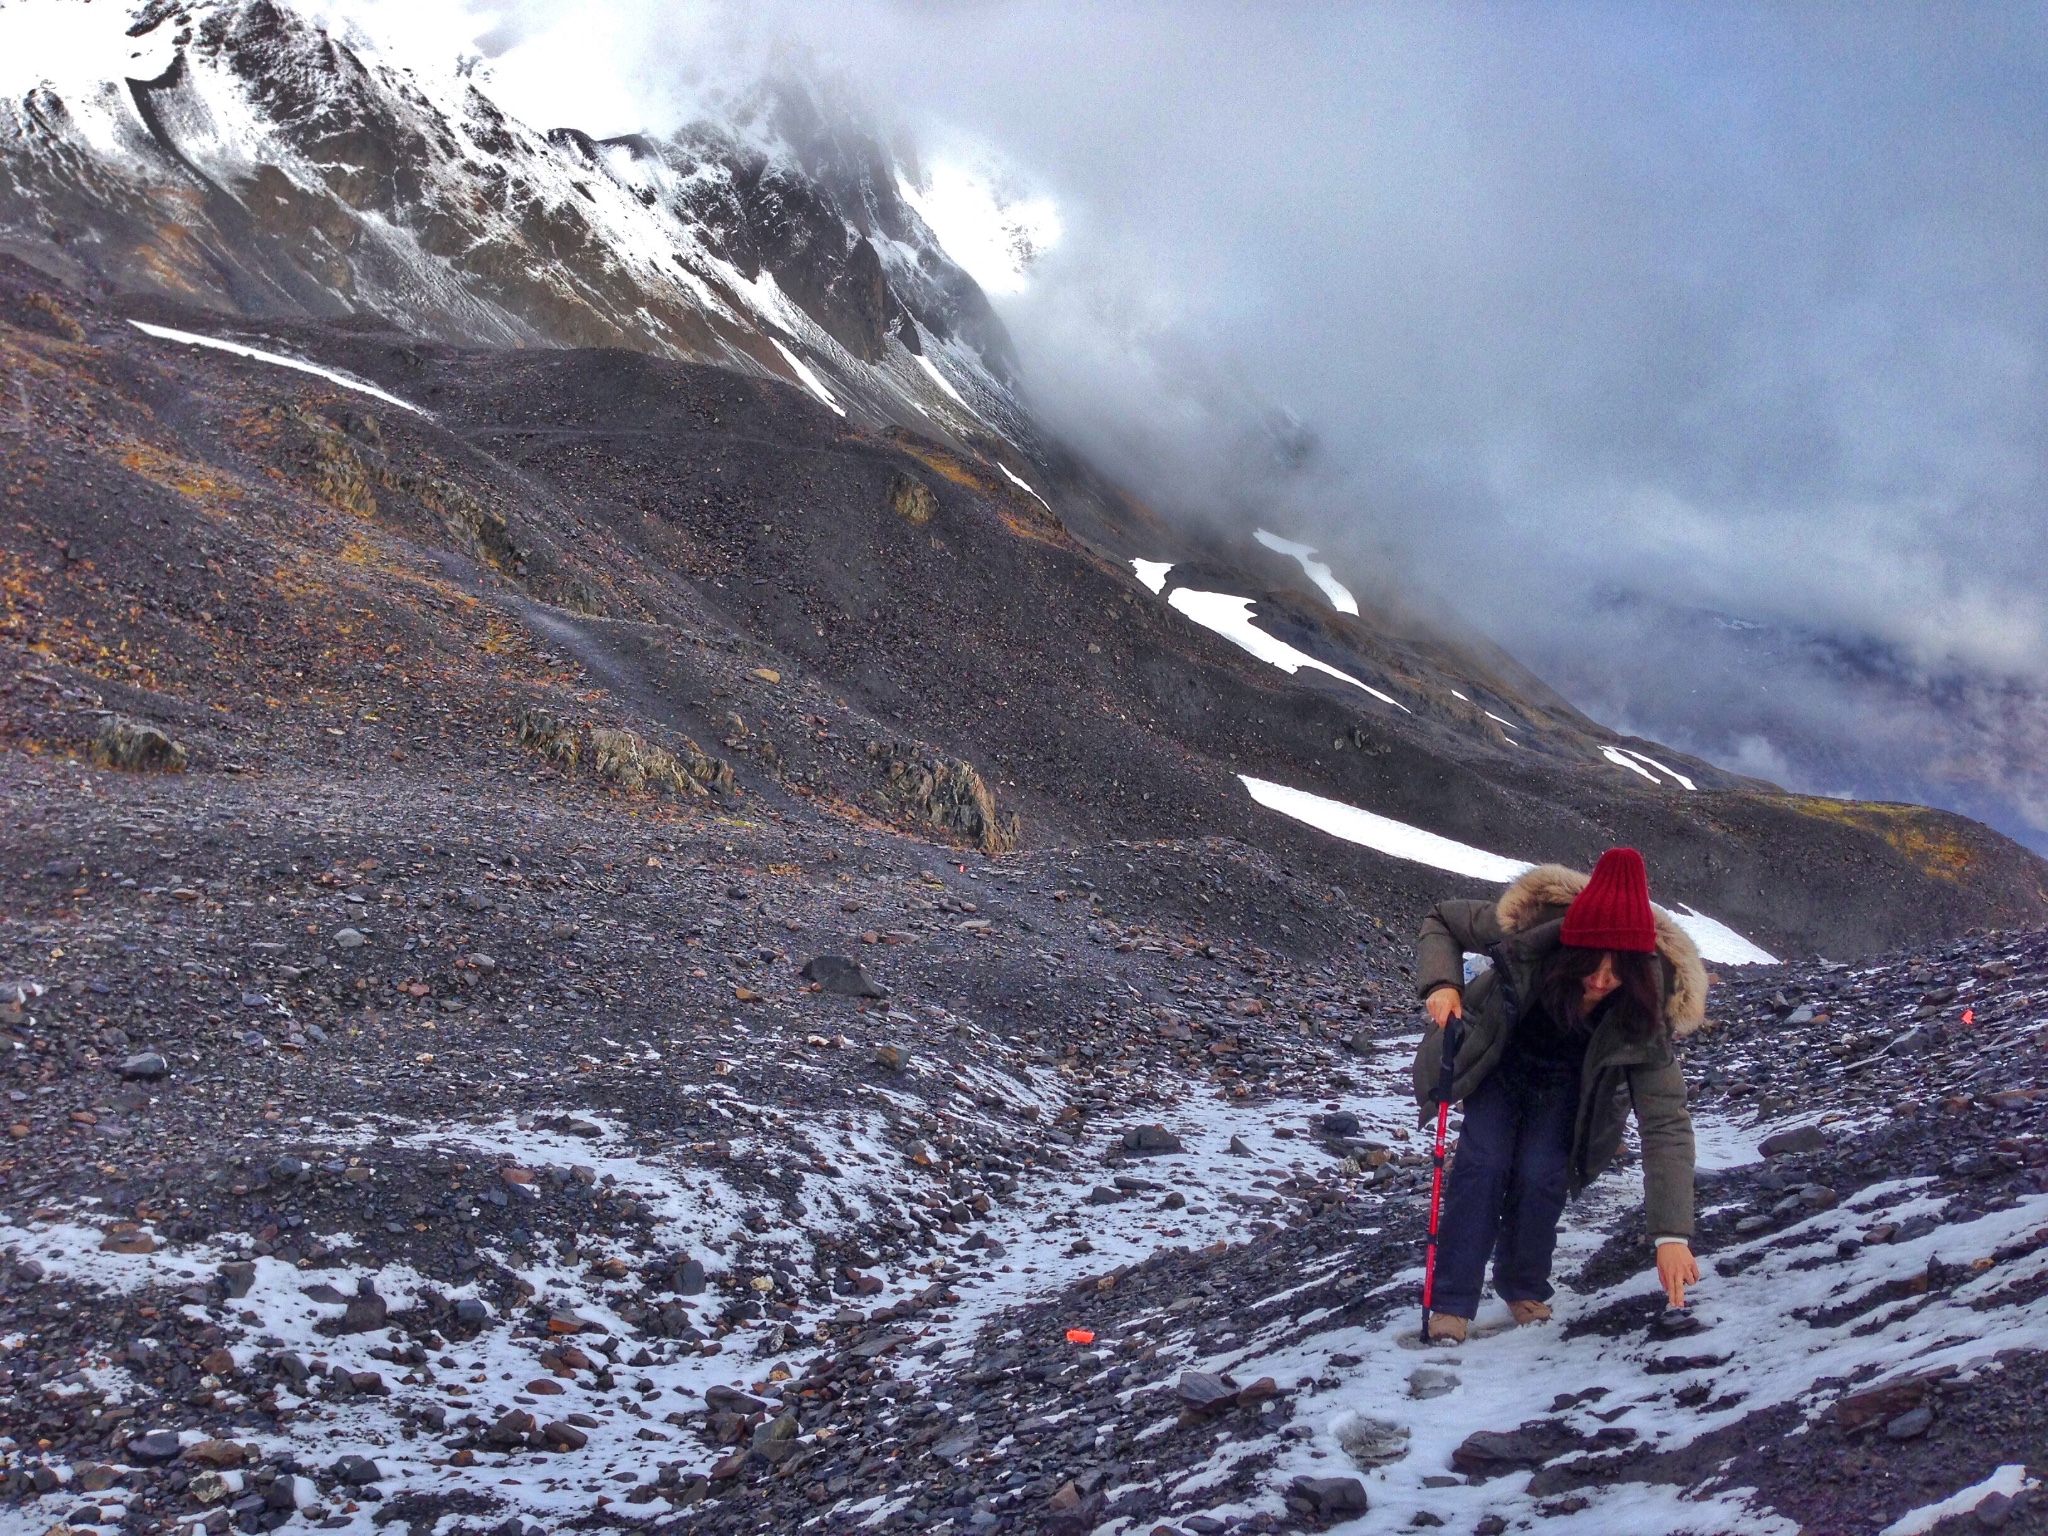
(1080, 1336)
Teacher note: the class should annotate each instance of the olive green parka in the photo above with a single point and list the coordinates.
(1521, 931)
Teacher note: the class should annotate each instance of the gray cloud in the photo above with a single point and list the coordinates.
(1611, 323)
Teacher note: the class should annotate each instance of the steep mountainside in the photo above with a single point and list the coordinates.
(241, 156)
(699, 936)
(686, 552)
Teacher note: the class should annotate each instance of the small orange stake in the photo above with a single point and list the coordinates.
(1969, 1015)
(1080, 1336)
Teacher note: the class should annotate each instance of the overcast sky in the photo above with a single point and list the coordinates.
(1625, 327)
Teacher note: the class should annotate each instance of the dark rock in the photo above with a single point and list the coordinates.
(1263, 1390)
(1204, 1392)
(366, 1309)
(1677, 1323)
(237, 1276)
(158, 1445)
(1149, 1139)
(1491, 1453)
(1911, 1424)
(1342, 1124)
(1332, 1496)
(842, 977)
(147, 1067)
(727, 1400)
(358, 1471)
(1992, 1511)
(1804, 1138)
(1879, 1403)
(564, 1437)
(510, 1430)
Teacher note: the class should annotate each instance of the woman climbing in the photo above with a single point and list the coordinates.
(1571, 1026)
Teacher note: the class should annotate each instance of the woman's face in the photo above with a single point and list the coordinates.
(1602, 981)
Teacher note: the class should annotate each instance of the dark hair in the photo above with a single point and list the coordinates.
(1639, 1000)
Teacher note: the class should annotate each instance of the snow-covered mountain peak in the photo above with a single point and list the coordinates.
(273, 160)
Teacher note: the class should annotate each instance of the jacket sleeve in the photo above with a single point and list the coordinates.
(1450, 930)
(1658, 1093)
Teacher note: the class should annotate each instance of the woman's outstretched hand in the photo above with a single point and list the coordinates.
(1676, 1268)
(1444, 1005)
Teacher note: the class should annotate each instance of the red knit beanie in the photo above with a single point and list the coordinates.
(1613, 911)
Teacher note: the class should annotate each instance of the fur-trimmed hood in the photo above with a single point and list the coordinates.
(1541, 895)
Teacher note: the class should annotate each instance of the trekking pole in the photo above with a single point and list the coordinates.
(1445, 1081)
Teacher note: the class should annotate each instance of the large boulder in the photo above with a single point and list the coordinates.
(842, 977)
(133, 747)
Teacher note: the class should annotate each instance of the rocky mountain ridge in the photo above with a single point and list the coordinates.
(242, 156)
(589, 942)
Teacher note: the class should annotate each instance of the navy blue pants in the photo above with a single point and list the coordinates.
(1506, 1190)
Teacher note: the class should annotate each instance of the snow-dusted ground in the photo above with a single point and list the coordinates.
(1765, 1345)
(2008, 1480)
(1769, 1354)
(1035, 1252)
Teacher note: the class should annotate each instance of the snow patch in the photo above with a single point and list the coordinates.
(941, 380)
(1620, 761)
(1231, 617)
(2009, 1479)
(1644, 757)
(1382, 833)
(1717, 942)
(810, 380)
(278, 360)
(1152, 573)
(989, 231)
(1339, 595)
(82, 53)
(1022, 485)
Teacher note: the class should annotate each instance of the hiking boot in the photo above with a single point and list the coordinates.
(1525, 1312)
(1446, 1329)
